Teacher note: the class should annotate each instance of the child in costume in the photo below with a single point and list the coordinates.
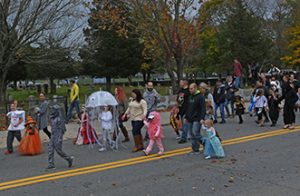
(209, 112)
(273, 102)
(213, 146)
(106, 123)
(175, 121)
(155, 132)
(261, 105)
(17, 121)
(240, 108)
(31, 142)
(86, 133)
(58, 129)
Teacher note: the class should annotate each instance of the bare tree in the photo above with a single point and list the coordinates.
(26, 23)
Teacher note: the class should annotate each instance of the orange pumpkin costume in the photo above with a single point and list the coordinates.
(31, 142)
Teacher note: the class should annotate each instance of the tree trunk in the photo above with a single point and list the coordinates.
(2, 92)
(172, 76)
(52, 86)
(108, 83)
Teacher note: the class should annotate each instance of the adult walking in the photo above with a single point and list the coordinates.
(122, 105)
(237, 72)
(289, 94)
(219, 98)
(230, 89)
(194, 115)
(42, 115)
(182, 101)
(74, 100)
(152, 98)
(136, 111)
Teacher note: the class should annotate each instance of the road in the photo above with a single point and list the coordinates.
(259, 161)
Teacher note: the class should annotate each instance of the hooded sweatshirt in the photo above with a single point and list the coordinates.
(196, 107)
(152, 99)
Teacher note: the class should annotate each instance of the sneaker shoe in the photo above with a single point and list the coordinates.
(215, 121)
(194, 153)
(8, 152)
(70, 162)
(223, 122)
(160, 153)
(145, 152)
(182, 141)
(50, 167)
(102, 149)
(207, 157)
(178, 137)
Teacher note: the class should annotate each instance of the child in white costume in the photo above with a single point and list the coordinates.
(106, 123)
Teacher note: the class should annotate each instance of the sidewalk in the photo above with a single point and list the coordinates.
(73, 126)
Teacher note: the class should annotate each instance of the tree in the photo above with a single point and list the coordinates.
(107, 53)
(168, 27)
(242, 36)
(293, 59)
(25, 22)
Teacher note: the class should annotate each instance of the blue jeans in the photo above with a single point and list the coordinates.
(196, 138)
(185, 128)
(237, 82)
(70, 109)
(221, 106)
(137, 125)
(227, 102)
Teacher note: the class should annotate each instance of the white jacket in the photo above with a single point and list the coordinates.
(106, 120)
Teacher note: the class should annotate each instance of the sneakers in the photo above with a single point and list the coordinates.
(194, 153)
(223, 122)
(181, 141)
(70, 161)
(160, 153)
(207, 157)
(50, 167)
(102, 149)
(178, 137)
(8, 152)
(145, 152)
(215, 121)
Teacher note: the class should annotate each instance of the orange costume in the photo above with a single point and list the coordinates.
(31, 142)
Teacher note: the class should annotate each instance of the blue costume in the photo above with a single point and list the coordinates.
(213, 146)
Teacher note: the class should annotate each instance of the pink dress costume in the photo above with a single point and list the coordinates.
(155, 132)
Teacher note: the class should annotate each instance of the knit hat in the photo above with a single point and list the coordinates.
(29, 120)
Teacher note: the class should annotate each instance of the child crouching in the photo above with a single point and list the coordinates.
(213, 146)
(155, 132)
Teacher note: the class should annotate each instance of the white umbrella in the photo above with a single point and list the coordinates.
(100, 98)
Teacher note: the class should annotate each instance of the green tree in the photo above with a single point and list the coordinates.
(107, 53)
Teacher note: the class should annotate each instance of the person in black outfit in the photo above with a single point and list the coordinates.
(289, 94)
(273, 102)
(230, 89)
(182, 101)
(219, 99)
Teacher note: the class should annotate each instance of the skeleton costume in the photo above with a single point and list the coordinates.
(58, 129)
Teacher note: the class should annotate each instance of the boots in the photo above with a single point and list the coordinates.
(125, 133)
(138, 143)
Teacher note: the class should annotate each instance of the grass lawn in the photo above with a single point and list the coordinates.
(22, 95)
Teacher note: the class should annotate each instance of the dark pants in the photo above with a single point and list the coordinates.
(240, 118)
(289, 116)
(55, 144)
(137, 125)
(47, 132)
(11, 135)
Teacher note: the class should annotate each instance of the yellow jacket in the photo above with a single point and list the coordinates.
(74, 93)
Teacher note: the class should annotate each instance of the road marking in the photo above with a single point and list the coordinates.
(131, 161)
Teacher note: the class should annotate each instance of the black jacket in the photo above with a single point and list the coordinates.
(182, 100)
(219, 94)
(196, 108)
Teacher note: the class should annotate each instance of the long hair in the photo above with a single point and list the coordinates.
(138, 93)
(120, 94)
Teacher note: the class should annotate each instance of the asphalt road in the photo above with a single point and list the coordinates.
(262, 165)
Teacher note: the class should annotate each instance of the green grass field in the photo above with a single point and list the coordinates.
(22, 95)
